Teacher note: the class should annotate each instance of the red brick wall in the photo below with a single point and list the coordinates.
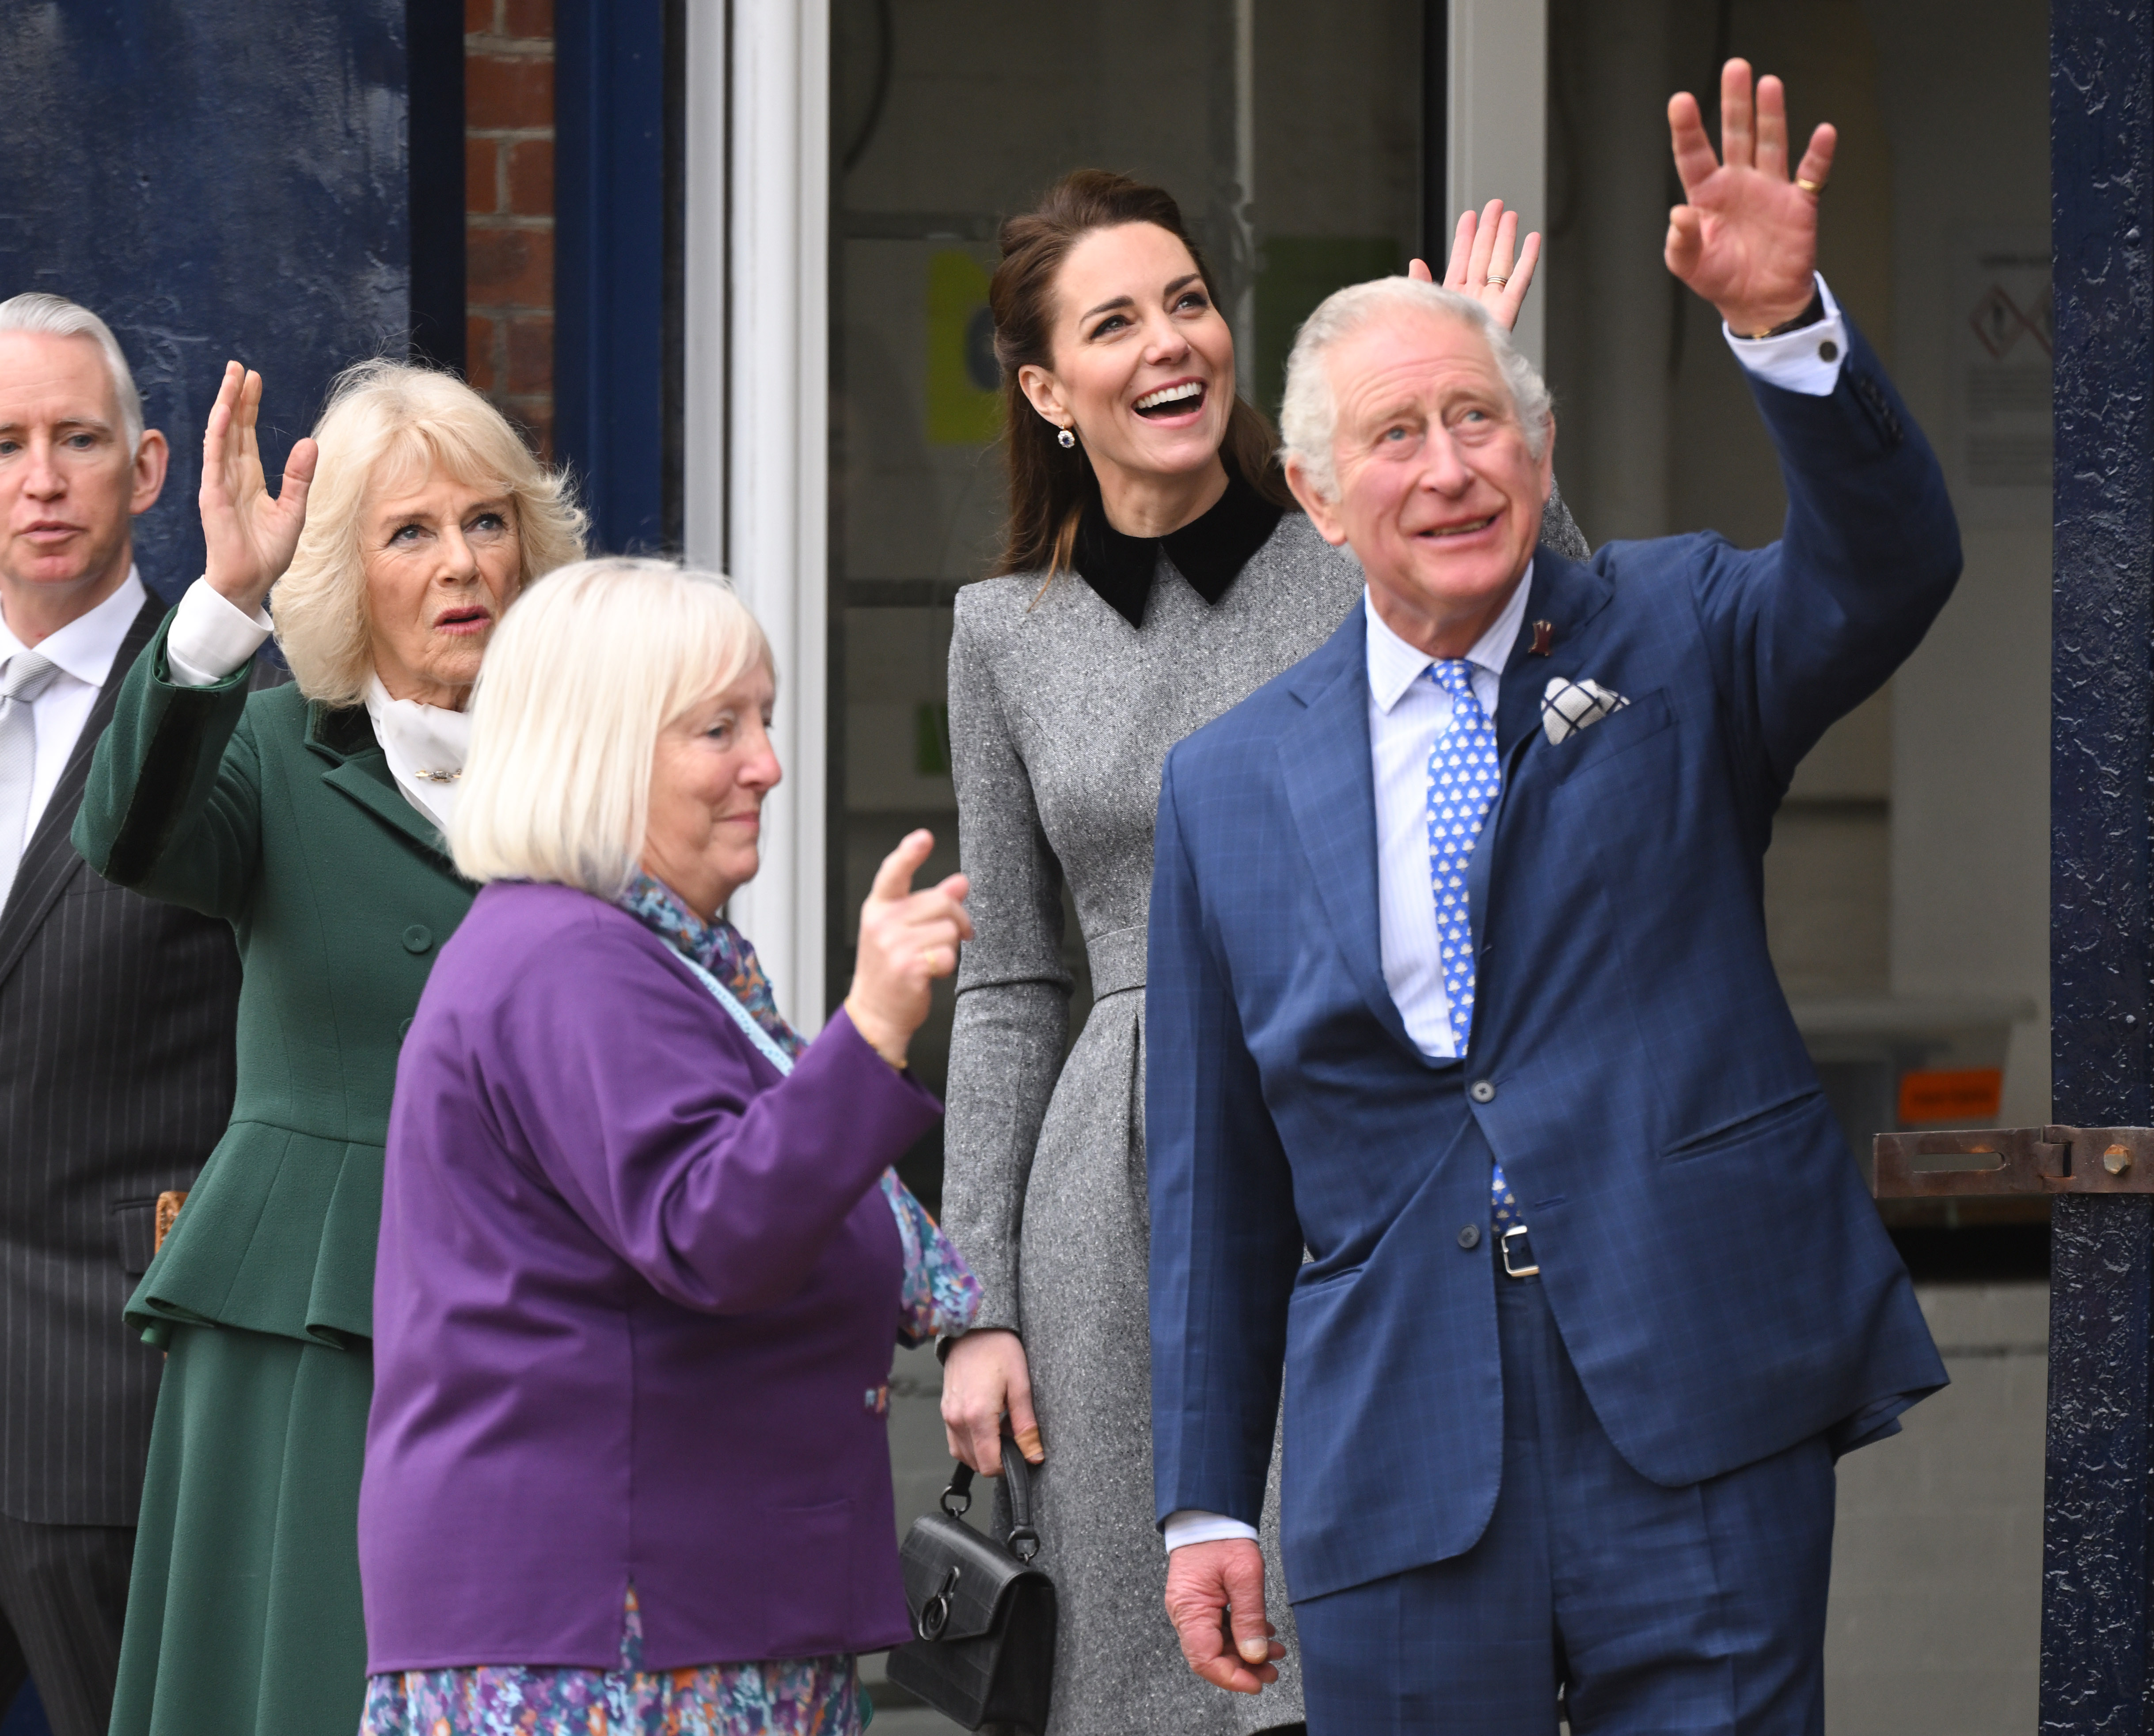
(508, 232)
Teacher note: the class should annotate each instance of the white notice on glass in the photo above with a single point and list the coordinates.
(2005, 333)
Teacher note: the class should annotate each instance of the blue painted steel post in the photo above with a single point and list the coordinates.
(610, 262)
(2096, 1604)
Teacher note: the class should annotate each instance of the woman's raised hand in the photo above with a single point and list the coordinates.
(1481, 262)
(907, 940)
(249, 536)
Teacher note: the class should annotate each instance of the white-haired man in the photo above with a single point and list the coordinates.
(116, 1016)
(1459, 981)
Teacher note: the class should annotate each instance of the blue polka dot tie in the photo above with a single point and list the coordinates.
(1465, 776)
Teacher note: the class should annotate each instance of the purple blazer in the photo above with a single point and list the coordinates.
(634, 1297)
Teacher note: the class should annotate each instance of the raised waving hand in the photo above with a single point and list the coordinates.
(249, 536)
(1745, 237)
(1481, 262)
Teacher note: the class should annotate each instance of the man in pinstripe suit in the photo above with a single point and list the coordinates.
(116, 1017)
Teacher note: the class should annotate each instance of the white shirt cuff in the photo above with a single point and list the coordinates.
(211, 636)
(1192, 1525)
(1805, 360)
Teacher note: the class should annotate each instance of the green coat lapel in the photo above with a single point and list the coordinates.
(360, 770)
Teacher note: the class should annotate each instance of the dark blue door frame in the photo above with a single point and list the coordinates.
(609, 239)
(2096, 1567)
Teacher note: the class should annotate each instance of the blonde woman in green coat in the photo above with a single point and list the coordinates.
(309, 817)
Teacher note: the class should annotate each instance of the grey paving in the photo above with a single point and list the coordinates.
(1934, 1626)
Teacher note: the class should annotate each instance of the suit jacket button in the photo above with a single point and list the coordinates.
(417, 938)
(1482, 1092)
(1470, 1237)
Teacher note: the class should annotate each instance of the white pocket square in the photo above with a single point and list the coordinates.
(1569, 707)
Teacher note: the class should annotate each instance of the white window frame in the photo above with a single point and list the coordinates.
(1496, 143)
(755, 418)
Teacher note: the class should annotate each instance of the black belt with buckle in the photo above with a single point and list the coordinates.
(1519, 1260)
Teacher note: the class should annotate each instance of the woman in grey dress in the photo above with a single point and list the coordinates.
(1157, 573)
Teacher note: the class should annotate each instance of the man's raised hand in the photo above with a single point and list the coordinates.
(1746, 236)
(249, 537)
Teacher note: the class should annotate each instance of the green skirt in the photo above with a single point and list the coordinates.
(243, 1616)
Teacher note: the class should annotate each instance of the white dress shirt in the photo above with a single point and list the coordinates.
(1406, 712)
(212, 636)
(83, 653)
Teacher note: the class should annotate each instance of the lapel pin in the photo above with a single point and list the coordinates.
(1544, 637)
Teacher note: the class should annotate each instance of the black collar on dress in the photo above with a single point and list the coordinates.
(1209, 551)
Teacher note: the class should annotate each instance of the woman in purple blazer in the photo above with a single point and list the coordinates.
(643, 1257)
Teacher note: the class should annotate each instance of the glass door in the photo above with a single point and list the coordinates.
(1293, 139)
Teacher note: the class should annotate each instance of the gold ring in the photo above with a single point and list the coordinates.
(929, 955)
(1495, 282)
(1816, 189)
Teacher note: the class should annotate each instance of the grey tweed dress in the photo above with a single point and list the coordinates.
(1061, 714)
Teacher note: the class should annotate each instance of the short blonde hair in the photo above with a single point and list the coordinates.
(580, 678)
(381, 415)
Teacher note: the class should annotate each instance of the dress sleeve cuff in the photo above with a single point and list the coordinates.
(1192, 1525)
(1805, 360)
(211, 637)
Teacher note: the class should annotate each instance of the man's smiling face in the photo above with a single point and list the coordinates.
(1438, 491)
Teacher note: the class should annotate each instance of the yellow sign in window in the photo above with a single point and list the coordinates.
(964, 381)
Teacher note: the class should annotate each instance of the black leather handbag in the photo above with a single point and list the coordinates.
(983, 1615)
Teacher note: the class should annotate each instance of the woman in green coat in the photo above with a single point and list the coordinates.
(309, 817)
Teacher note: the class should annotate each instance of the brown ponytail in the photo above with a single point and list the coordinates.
(1049, 486)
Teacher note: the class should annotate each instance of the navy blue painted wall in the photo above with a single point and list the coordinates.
(2098, 1542)
(610, 185)
(216, 181)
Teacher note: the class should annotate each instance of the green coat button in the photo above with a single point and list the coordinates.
(417, 938)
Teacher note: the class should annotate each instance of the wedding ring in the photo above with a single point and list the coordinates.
(1816, 189)
(1495, 282)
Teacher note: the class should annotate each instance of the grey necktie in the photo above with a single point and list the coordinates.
(26, 676)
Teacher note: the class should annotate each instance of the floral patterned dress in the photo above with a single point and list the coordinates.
(784, 1697)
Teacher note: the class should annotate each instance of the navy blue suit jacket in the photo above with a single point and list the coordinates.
(1720, 1277)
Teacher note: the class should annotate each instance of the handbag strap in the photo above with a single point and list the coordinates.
(1024, 1540)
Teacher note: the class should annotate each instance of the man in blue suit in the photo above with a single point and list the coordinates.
(1459, 981)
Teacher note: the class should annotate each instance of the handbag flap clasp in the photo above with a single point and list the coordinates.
(956, 1581)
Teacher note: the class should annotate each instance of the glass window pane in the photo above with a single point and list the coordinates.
(1291, 136)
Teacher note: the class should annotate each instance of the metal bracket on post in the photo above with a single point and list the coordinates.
(2013, 1160)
